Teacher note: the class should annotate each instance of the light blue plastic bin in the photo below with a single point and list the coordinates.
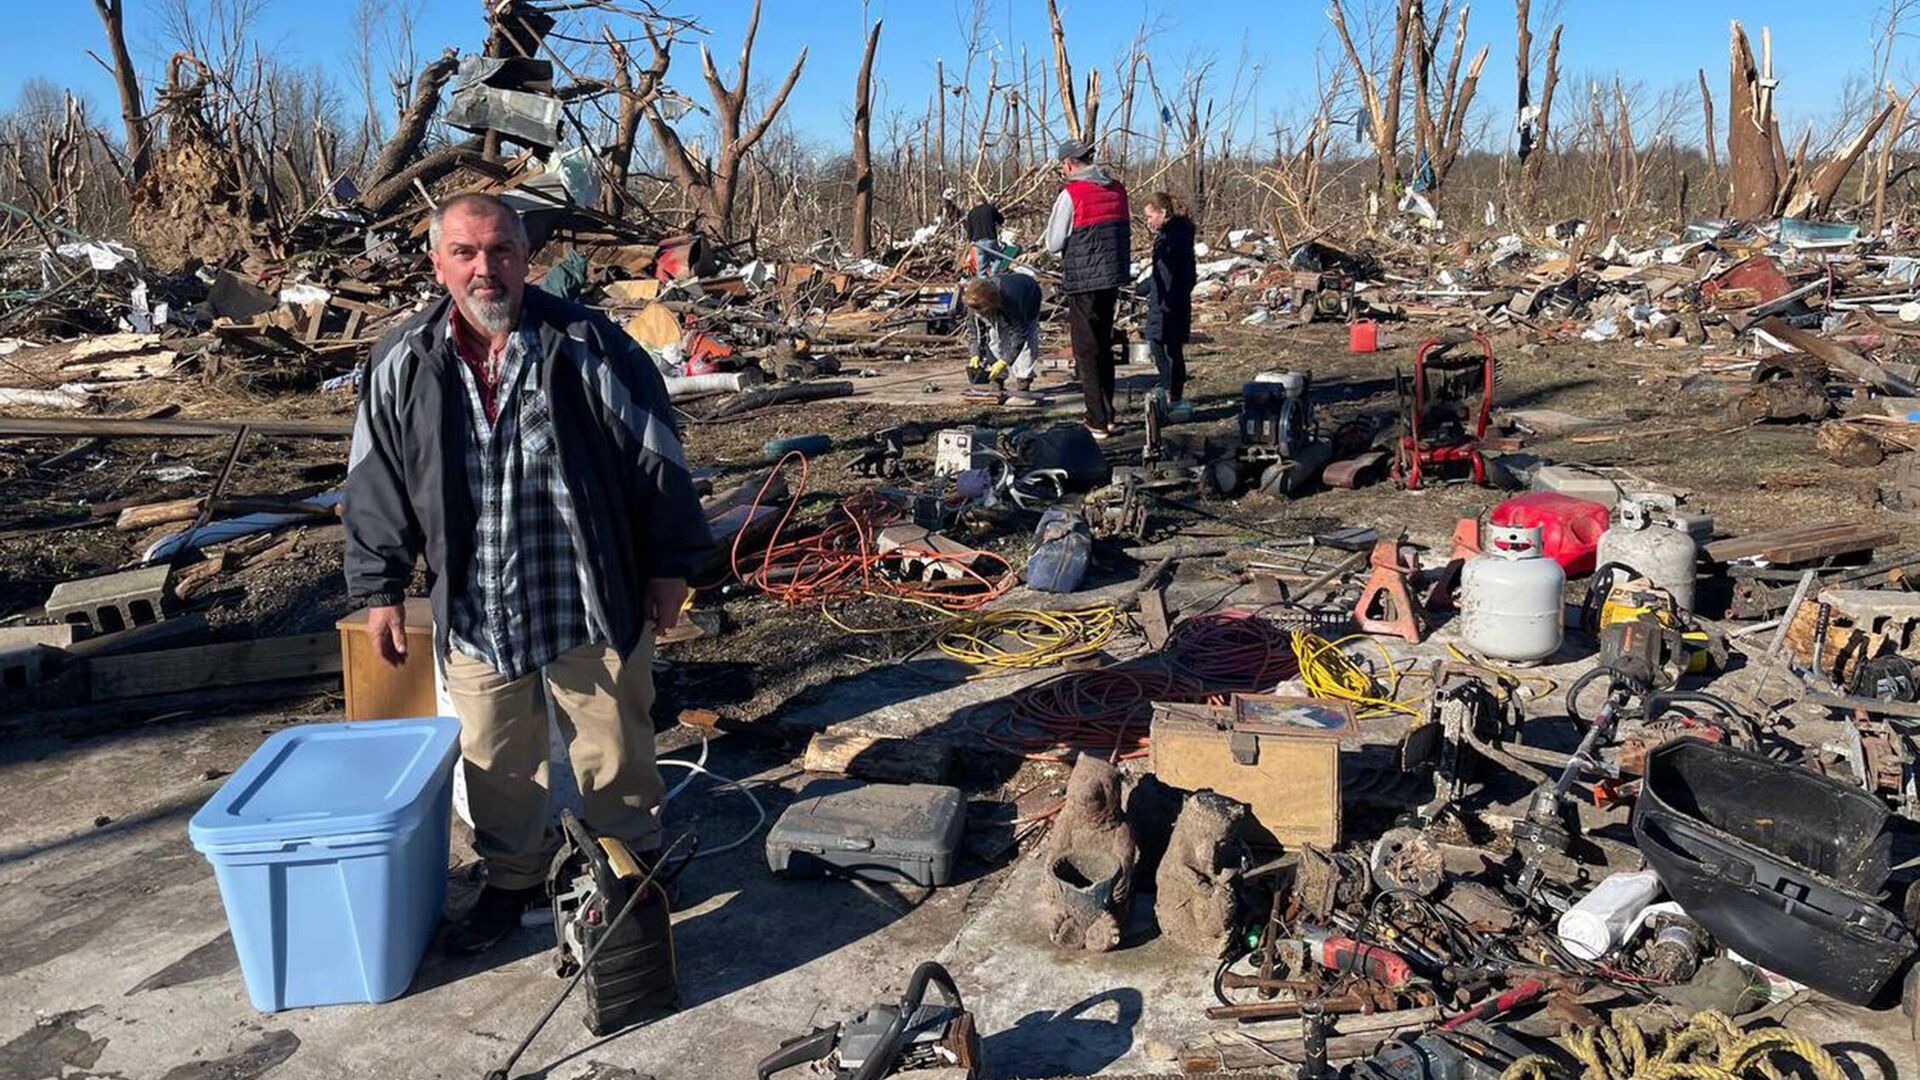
(330, 846)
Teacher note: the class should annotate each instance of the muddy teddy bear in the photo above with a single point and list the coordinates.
(1195, 897)
(1091, 856)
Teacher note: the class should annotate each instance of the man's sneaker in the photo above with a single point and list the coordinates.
(1023, 385)
(1100, 434)
(491, 918)
(1179, 412)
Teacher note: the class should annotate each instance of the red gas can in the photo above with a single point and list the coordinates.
(1363, 335)
(1570, 528)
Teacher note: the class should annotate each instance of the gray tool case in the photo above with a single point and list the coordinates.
(876, 832)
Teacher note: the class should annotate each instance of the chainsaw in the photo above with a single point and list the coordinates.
(890, 1040)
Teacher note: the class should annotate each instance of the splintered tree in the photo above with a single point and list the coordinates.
(1380, 91)
(709, 182)
(1439, 131)
(1536, 122)
(1085, 128)
(1765, 181)
(1754, 157)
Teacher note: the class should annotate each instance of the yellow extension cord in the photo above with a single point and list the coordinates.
(1013, 639)
(1710, 1047)
(1023, 639)
(1328, 672)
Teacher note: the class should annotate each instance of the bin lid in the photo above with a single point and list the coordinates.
(328, 780)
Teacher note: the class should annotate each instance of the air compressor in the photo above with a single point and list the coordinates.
(1280, 449)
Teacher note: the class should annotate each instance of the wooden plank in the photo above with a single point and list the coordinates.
(160, 513)
(1801, 543)
(105, 427)
(206, 666)
(873, 758)
(1153, 617)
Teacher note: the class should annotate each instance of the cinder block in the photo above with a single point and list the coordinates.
(111, 602)
(28, 665)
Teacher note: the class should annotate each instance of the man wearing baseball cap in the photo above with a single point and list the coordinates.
(1089, 230)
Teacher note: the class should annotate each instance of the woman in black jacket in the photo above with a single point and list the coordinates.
(1170, 293)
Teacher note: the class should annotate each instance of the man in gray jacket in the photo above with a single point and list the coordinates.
(1089, 229)
(522, 446)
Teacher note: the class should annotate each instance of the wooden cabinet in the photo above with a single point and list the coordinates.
(378, 692)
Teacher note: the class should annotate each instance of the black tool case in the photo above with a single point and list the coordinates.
(1779, 863)
(877, 832)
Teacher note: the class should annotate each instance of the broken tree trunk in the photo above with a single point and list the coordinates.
(1753, 167)
(133, 115)
(403, 147)
(707, 183)
(1381, 97)
(1816, 199)
(1549, 82)
(862, 150)
(1063, 73)
(387, 196)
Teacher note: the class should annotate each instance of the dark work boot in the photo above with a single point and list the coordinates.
(491, 918)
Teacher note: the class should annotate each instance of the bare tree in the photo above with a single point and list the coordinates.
(1380, 91)
(862, 151)
(133, 114)
(709, 183)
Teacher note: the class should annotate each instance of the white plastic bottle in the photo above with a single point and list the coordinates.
(1598, 924)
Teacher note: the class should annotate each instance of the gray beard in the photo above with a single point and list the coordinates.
(495, 317)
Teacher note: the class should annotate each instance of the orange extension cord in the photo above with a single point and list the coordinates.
(1108, 711)
(839, 558)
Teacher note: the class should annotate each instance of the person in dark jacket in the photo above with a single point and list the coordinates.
(1090, 231)
(523, 447)
(1169, 288)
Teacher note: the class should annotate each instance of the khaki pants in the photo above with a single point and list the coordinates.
(603, 705)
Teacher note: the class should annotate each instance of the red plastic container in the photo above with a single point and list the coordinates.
(1570, 528)
(1363, 336)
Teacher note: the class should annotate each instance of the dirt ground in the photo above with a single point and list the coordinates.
(138, 771)
(1664, 421)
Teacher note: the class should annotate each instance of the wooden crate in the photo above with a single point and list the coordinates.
(378, 692)
(1253, 751)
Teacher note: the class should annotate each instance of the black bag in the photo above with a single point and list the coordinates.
(1068, 447)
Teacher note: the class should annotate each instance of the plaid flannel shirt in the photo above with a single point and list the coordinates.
(527, 599)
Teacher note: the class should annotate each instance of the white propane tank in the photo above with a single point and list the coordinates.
(1510, 605)
(1643, 536)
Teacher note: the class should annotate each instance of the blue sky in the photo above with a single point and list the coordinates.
(1656, 43)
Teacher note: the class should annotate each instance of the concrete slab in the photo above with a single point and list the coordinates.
(114, 958)
(1049, 1012)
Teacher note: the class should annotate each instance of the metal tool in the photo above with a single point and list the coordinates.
(889, 1040)
(636, 898)
(1339, 953)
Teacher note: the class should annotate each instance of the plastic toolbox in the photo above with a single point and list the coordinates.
(1780, 863)
(876, 832)
(330, 847)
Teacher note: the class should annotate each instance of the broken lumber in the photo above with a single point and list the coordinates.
(204, 667)
(869, 757)
(103, 427)
(1838, 356)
